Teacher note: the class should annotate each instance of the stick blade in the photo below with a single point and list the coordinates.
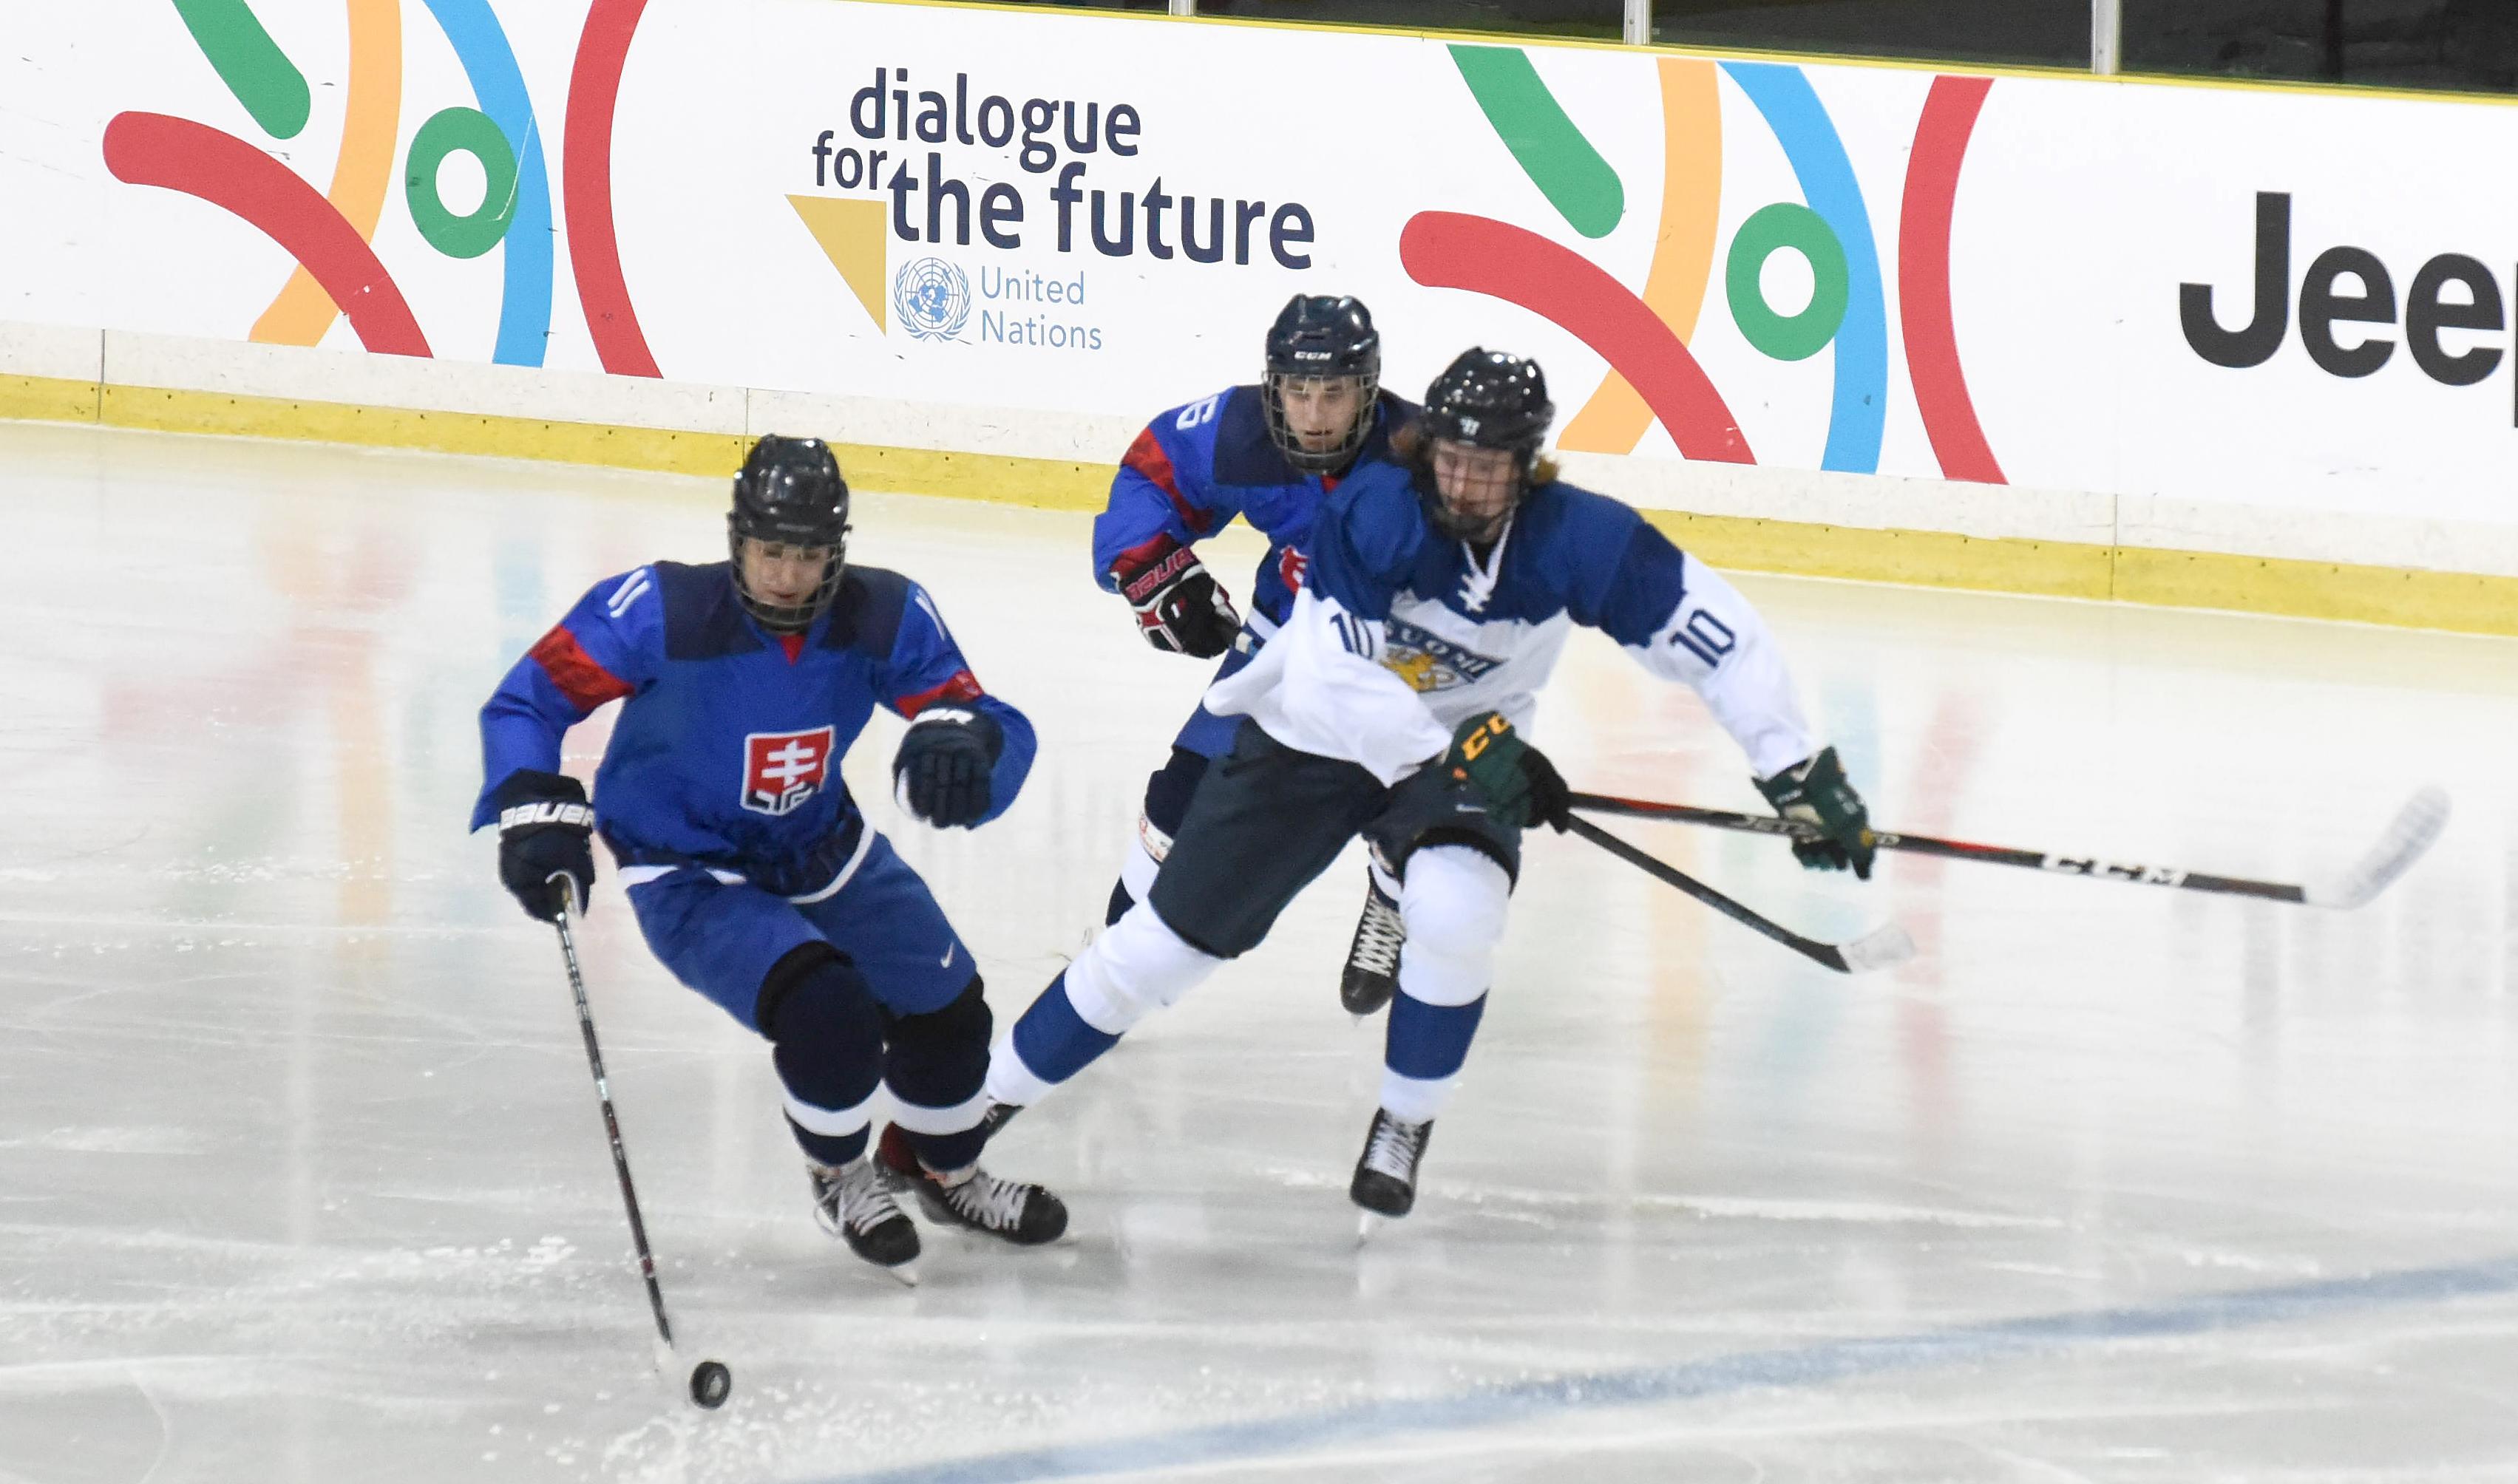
(1884, 947)
(2417, 827)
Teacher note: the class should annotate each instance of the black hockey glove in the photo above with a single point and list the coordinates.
(1816, 792)
(546, 827)
(942, 772)
(1516, 780)
(1179, 607)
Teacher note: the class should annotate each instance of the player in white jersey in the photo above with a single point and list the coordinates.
(1441, 591)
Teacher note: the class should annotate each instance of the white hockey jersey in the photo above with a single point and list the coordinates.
(1399, 633)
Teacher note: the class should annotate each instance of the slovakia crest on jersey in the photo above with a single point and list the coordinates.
(1428, 661)
(783, 769)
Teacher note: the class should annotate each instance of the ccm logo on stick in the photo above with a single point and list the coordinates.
(2449, 292)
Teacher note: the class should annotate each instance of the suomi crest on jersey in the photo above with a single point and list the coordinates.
(1428, 661)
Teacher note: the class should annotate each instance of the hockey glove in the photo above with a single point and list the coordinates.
(546, 827)
(1515, 779)
(1815, 793)
(1179, 607)
(943, 770)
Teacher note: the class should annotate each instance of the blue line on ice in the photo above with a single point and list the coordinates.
(1805, 1366)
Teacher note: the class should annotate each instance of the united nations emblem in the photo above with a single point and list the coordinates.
(931, 297)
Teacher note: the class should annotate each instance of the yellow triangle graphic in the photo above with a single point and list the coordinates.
(852, 238)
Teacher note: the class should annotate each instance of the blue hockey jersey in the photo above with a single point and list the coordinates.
(728, 750)
(1195, 467)
(1401, 633)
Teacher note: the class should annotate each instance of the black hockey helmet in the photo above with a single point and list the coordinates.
(1323, 337)
(790, 494)
(1485, 400)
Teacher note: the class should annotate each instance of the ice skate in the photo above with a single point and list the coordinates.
(1385, 1177)
(1371, 973)
(854, 1202)
(1022, 1213)
(1012, 1211)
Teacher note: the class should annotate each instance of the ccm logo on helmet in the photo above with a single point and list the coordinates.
(781, 770)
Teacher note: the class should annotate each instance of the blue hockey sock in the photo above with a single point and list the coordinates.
(1053, 1041)
(1429, 1042)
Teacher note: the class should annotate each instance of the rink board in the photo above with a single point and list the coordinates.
(2242, 347)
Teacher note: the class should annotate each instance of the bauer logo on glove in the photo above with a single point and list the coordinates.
(545, 830)
(1180, 609)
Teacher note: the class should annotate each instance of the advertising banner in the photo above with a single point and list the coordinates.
(2293, 303)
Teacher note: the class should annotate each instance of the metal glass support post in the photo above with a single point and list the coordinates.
(1184, 7)
(1638, 23)
(2106, 36)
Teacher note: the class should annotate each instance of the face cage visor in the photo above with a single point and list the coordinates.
(781, 619)
(1463, 525)
(1367, 386)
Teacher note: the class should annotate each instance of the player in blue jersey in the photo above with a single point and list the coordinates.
(1442, 589)
(754, 877)
(1269, 453)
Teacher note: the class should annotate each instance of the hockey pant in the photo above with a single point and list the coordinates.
(860, 984)
(1269, 821)
(1202, 738)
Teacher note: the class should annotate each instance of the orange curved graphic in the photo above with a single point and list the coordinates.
(1616, 418)
(361, 174)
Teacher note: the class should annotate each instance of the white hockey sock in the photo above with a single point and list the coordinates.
(1415, 1099)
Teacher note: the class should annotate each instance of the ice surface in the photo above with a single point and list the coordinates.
(301, 1176)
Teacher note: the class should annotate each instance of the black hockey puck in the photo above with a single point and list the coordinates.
(710, 1383)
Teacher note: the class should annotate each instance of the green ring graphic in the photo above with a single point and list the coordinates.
(472, 132)
(1787, 337)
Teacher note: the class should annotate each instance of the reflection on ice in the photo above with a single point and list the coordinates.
(299, 1178)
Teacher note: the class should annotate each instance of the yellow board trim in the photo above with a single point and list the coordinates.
(2459, 602)
(48, 399)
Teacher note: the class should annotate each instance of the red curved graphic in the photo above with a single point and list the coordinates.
(585, 154)
(178, 154)
(1923, 278)
(1444, 249)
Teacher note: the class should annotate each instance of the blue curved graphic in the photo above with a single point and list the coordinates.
(490, 64)
(1810, 142)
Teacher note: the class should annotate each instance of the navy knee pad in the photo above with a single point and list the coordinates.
(940, 1060)
(828, 1033)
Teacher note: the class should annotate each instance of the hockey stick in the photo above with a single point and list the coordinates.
(1879, 948)
(2414, 828)
(710, 1379)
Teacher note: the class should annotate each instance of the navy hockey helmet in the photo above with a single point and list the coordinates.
(1482, 399)
(1322, 337)
(789, 494)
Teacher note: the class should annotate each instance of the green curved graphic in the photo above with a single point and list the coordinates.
(250, 63)
(1772, 228)
(472, 132)
(1550, 150)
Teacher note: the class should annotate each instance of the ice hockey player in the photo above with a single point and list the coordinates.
(1441, 592)
(754, 877)
(1269, 453)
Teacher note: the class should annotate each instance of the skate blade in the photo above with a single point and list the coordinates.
(906, 1274)
(1365, 1224)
